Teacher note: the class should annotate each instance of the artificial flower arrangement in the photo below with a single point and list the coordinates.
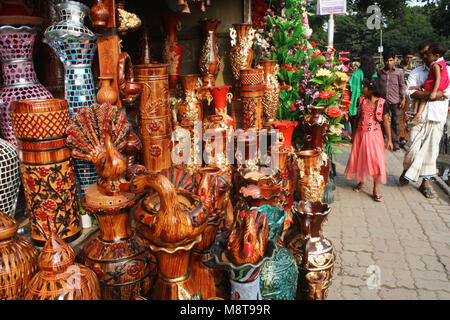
(308, 76)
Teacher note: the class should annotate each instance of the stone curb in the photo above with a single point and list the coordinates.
(441, 183)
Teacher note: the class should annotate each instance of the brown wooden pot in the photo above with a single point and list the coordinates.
(191, 109)
(155, 121)
(251, 89)
(46, 165)
(18, 260)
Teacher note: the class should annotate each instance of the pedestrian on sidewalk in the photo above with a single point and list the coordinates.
(366, 70)
(424, 138)
(392, 82)
(367, 157)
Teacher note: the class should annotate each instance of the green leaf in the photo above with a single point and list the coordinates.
(337, 151)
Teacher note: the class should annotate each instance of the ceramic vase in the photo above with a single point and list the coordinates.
(310, 184)
(172, 50)
(221, 95)
(155, 121)
(191, 108)
(209, 53)
(47, 167)
(69, 38)
(287, 129)
(9, 178)
(271, 97)
(314, 253)
(19, 77)
(251, 92)
(279, 274)
(18, 258)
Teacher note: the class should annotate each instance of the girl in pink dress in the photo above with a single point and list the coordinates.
(367, 158)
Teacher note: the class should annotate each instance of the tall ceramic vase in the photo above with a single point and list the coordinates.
(314, 253)
(191, 107)
(315, 127)
(271, 95)
(310, 184)
(172, 50)
(155, 120)
(19, 77)
(75, 45)
(251, 91)
(9, 178)
(287, 129)
(47, 167)
(18, 258)
(221, 95)
(209, 54)
(279, 274)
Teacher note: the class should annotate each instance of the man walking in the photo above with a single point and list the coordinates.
(420, 159)
(392, 83)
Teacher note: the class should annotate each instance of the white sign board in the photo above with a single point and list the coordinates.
(331, 7)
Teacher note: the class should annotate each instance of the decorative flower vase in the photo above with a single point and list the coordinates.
(279, 274)
(173, 222)
(107, 94)
(314, 253)
(19, 77)
(59, 277)
(310, 185)
(220, 96)
(315, 127)
(209, 54)
(9, 178)
(271, 96)
(75, 45)
(155, 120)
(47, 167)
(191, 108)
(172, 51)
(251, 92)
(18, 258)
(287, 129)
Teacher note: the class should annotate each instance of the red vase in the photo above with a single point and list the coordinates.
(172, 51)
(287, 129)
(220, 95)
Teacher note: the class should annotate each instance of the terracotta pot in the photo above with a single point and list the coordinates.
(314, 253)
(18, 258)
(311, 185)
(172, 51)
(191, 108)
(46, 166)
(172, 222)
(59, 277)
(209, 54)
(287, 129)
(107, 94)
(220, 95)
(261, 194)
(271, 97)
(251, 89)
(155, 121)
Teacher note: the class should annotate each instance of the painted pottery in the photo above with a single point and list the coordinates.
(310, 184)
(9, 178)
(191, 107)
(18, 260)
(251, 90)
(271, 97)
(172, 51)
(220, 96)
(287, 129)
(314, 253)
(209, 53)
(47, 167)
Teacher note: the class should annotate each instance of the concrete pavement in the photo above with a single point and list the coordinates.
(401, 245)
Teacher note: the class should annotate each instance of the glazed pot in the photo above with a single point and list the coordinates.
(47, 167)
(257, 195)
(191, 108)
(271, 97)
(220, 96)
(209, 53)
(172, 50)
(279, 274)
(251, 91)
(18, 258)
(9, 177)
(314, 253)
(310, 185)
(287, 129)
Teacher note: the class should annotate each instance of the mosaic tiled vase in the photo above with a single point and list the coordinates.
(9, 178)
(75, 46)
(19, 77)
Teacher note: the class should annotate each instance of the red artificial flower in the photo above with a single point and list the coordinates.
(301, 89)
(295, 69)
(326, 94)
(285, 86)
(317, 54)
(344, 59)
(343, 52)
(313, 44)
(335, 112)
(292, 107)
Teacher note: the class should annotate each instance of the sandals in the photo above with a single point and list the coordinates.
(403, 181)
(426, 191)
(358, 187)
(377, 197)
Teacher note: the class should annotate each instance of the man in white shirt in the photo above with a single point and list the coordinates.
(424, 139)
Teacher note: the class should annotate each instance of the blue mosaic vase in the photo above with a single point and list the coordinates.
(279, 275)
(75, 46)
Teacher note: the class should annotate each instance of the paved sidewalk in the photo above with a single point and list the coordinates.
(407, 237)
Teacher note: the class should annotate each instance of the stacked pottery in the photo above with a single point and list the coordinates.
(279, 274)
(155, 121)
(123, 264)
(271, 95)
(310, 184)
(47, 168)
(9, 178)
(18, 260)
(172, 51)
(68, 38)
(173, 222)
(209, 54)
(314, 253)
(251, 92)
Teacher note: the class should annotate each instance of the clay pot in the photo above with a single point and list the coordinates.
(287, 129)
(251, 91)
(220, 95)
(18, 258)
(191, 108)
(271, 95)
(241, 53)
(310, 185)
(209, 54)
(172, 51)
(314, 253)
(107, 94)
